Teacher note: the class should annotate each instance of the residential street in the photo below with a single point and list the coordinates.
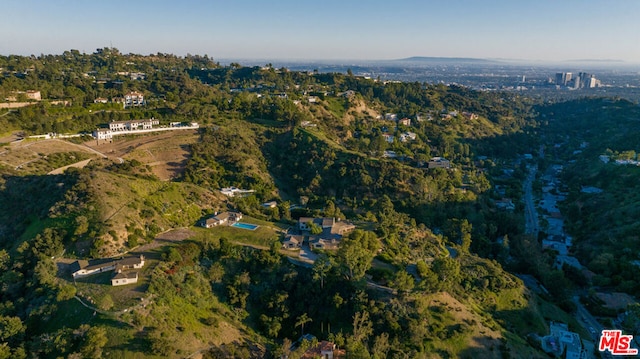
(530, 213)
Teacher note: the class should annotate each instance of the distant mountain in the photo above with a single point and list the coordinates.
(426, 59)
(597, 60)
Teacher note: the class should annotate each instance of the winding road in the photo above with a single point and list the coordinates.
(530, 213)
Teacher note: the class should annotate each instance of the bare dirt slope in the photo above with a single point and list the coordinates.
(166, 152)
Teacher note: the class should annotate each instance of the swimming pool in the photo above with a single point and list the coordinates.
(251, 227)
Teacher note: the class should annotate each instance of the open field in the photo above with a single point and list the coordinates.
(166, 152)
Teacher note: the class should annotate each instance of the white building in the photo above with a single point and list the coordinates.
(133, 99)
(233, 191)
(408, 136)
(133, 125)
(103, 134)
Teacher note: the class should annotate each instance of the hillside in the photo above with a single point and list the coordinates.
(413, 166)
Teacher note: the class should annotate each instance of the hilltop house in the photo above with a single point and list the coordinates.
(124, 278)
(561, 340)
(325, 244)
(324, 350)
(391, 117)
(292, 241)
(133, 125)
(103, 134)
(123, 127)
(439, 162)
(133, 99)
(270, 204)
(233, 191)
(332, 231)
(408, 136)
(470, 115)
(220, 219)
(505, 204)
(124, 268)
(405, 121)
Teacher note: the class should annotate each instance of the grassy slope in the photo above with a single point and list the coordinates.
(133, 202)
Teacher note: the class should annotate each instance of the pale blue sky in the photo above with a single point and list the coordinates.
(549, 30)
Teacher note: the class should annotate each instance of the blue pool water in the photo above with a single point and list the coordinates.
(251, 227)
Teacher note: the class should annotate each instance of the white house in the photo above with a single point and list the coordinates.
(561, 341)
(405, 122)
(220, 219)
(133, 99)
(124, 278)
(408, 136)
(85, 269)
(391, 117)
(133, 125)
(271, 204)
(233, 191)
(103, 134)
(439, 162)
(292, 241)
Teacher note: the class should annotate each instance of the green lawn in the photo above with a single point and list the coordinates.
(264, 235)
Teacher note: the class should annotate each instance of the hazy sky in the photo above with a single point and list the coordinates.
(328, 29)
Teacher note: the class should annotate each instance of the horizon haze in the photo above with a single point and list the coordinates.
(542, 31)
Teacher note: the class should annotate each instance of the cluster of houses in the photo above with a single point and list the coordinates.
(332, 232)
(125, 269)
(620, 161)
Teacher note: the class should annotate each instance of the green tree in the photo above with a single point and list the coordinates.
(331, 210)
(381, 346)
(314, 228)
(95, 340)
(66, 292)
(403, 281)
(321, 267)
(82, 225)
(45, 272)
(106, 302)
(447, 270)
(11, 329)
(355, 258)
(301, 321)
(362, 327)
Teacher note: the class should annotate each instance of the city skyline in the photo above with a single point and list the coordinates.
(546, 30)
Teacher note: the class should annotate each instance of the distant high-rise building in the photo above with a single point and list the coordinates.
(576, 83)
(563, 78)
(587, 80)
(559, 78)
(582, 80)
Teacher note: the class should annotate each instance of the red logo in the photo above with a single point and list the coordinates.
(616, 343)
